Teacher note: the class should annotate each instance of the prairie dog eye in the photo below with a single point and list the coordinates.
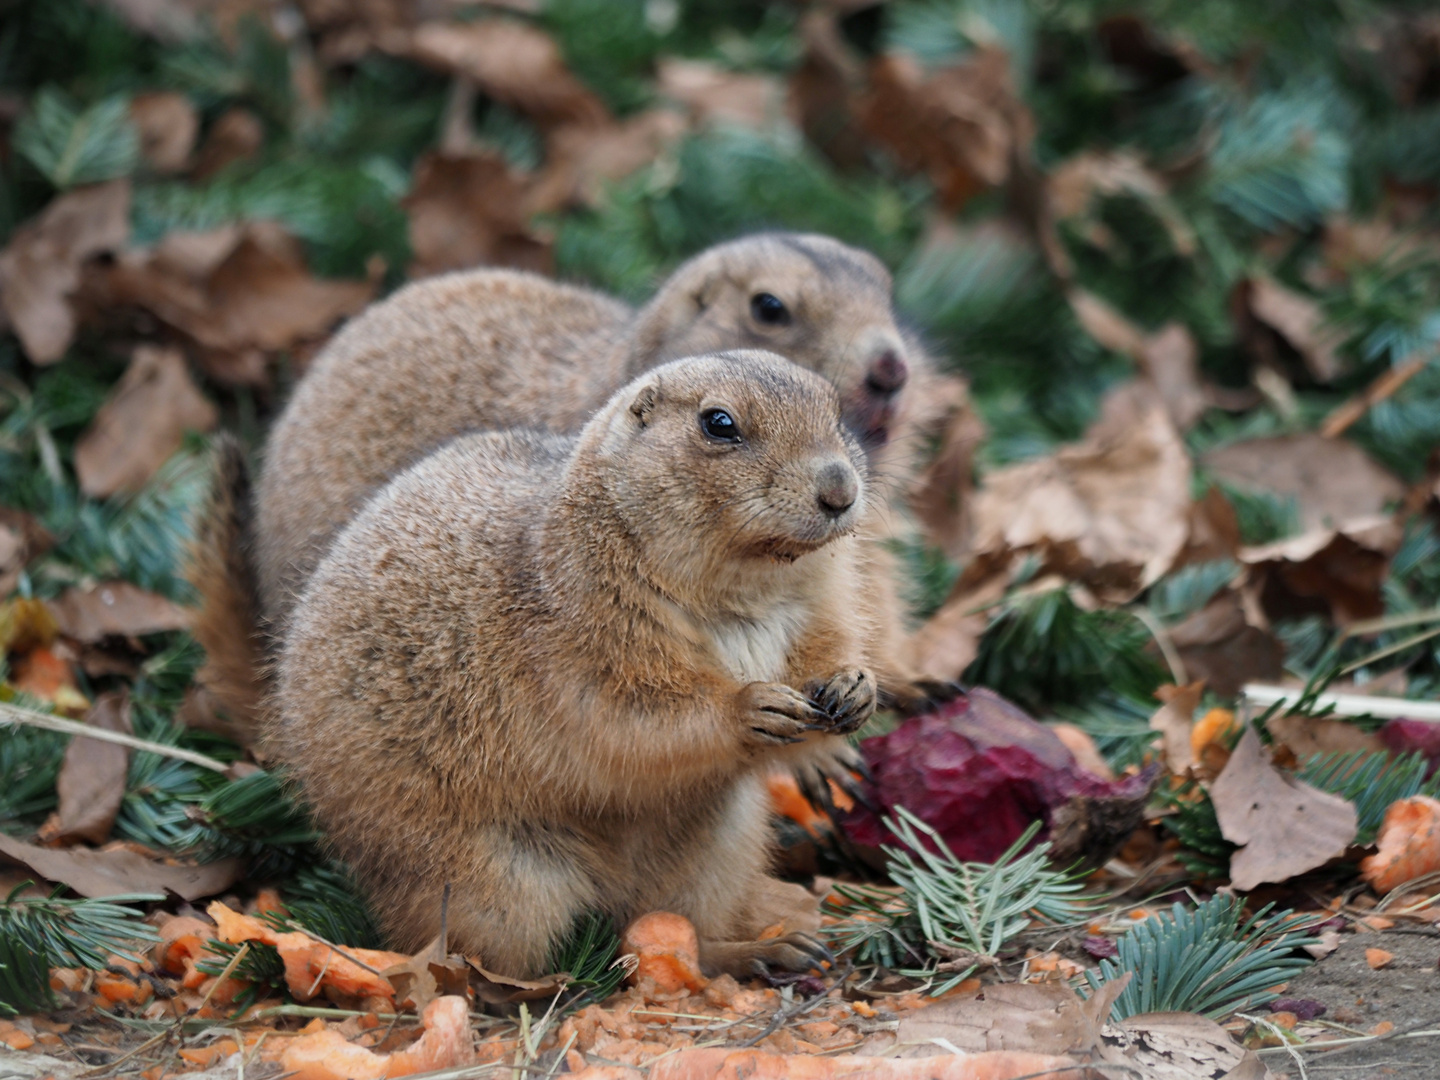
(719, 425)
(769, 310)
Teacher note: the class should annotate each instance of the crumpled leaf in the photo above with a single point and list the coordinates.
(513, 63)
(141, 424)
(236, 135)
(963, 126)
(1331, 480)
(979, 770)
(494, 989)
(91, 784)
(115, 608)
(1168, 358)
(239, 292)
(1334, 572)
(581, 159)
(1042, 1018)
(168, 126)
(1283, 826)
(1307, 735)
(98, 873)
(823, 88)
(1174, 720)
(1111, 511)
(1179, 1046)
(470, 210)
(40, 267)
(22, 538)
(716, 95)
(427, 975)
(1220, 645)
(1298, 320)
(1214, 529)
(941, 494)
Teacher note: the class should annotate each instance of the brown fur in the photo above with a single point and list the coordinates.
(229, 624)
(551, 670)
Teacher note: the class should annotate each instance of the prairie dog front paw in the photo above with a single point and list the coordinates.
(847, 699)
(776, 714)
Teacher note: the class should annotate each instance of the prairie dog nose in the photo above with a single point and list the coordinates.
(836, 488)
(887, 373)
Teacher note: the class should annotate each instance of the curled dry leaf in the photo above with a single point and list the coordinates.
(823, 88)
(1331, 480)
(91, 785)
(1111, 511)
(1214, 529)
(40, 267)
(1409, 844)
(236, 135)
(115, 608)
(22, 538)
(100, 873)
(1283, 826)
(1167, 358)
(427, 975)
(141, 424)
(1332, 572)
(963, 126)
(1306, 735)
(168, 125)
(581, 159)
(1041, 1018)
(1295, 318)
(513, 63)
(470, 210)
(716, 95)
(1179, 1046)
(239, 292)
(1220, 645)
(1174, 721)
(941, 493)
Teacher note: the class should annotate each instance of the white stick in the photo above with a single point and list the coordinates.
(13, 714)
(1386, 708)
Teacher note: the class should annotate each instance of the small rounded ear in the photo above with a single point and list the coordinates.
(644, 403)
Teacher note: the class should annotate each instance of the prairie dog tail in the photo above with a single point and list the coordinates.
(228, 623)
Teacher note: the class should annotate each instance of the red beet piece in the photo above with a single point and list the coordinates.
(1411, 736)
(1101, 948)
(979, 770)
(1303, 1008)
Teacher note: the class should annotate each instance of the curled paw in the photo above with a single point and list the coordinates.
(777, 714)
(847, 699)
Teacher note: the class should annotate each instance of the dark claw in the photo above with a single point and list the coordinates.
(857, 792)
(783, 740)
(812, 946)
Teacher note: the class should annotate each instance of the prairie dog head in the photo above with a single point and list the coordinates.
(726, 466)
(820, 303)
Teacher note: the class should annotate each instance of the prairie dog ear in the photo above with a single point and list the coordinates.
(644, 403)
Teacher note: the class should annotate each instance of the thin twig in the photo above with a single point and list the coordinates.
(1383, 387)
(1167, 647)
(15, 714)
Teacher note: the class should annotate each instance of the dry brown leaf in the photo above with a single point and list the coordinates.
(22, 538)
(427, 975)
(1042, 1018)
(1333, 572)
(1074, 185)
(717, 95)
(98, 873)
(1111, 511)
(1214, 529)
(91, 784)
(580, 160)
(1173, 720)
(236, 135)
(115, 608)
(514, 63)
(823, 86)
(495, 989)
(941, 494)
(1299, 321)
(167, 124)
(963, 126)
(1221, 646)
(141, 424)
(949, 640)
(240, 292)
(1331, 480)
(1167, 358)
(1306, 735)
(1179, 1046)
(470, 210)
(1283, 826)
(40, 267)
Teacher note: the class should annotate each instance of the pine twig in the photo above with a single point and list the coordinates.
(14, 714)
(1349, 412)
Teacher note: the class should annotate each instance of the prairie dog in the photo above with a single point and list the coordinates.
(501, 349)
(551, 670)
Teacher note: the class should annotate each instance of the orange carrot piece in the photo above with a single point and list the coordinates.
(327, 1055)
(721, 1064)
(669, 951)
(1409, 844)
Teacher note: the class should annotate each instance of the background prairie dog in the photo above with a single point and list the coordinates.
(551, 670)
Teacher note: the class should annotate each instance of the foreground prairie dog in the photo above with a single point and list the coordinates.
(551, 671)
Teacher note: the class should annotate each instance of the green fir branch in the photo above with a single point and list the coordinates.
(72, 146)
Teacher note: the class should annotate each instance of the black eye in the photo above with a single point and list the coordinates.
(719, 425)
(769, 310)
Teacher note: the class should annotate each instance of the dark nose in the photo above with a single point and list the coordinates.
(887, 373)
(837, 487)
